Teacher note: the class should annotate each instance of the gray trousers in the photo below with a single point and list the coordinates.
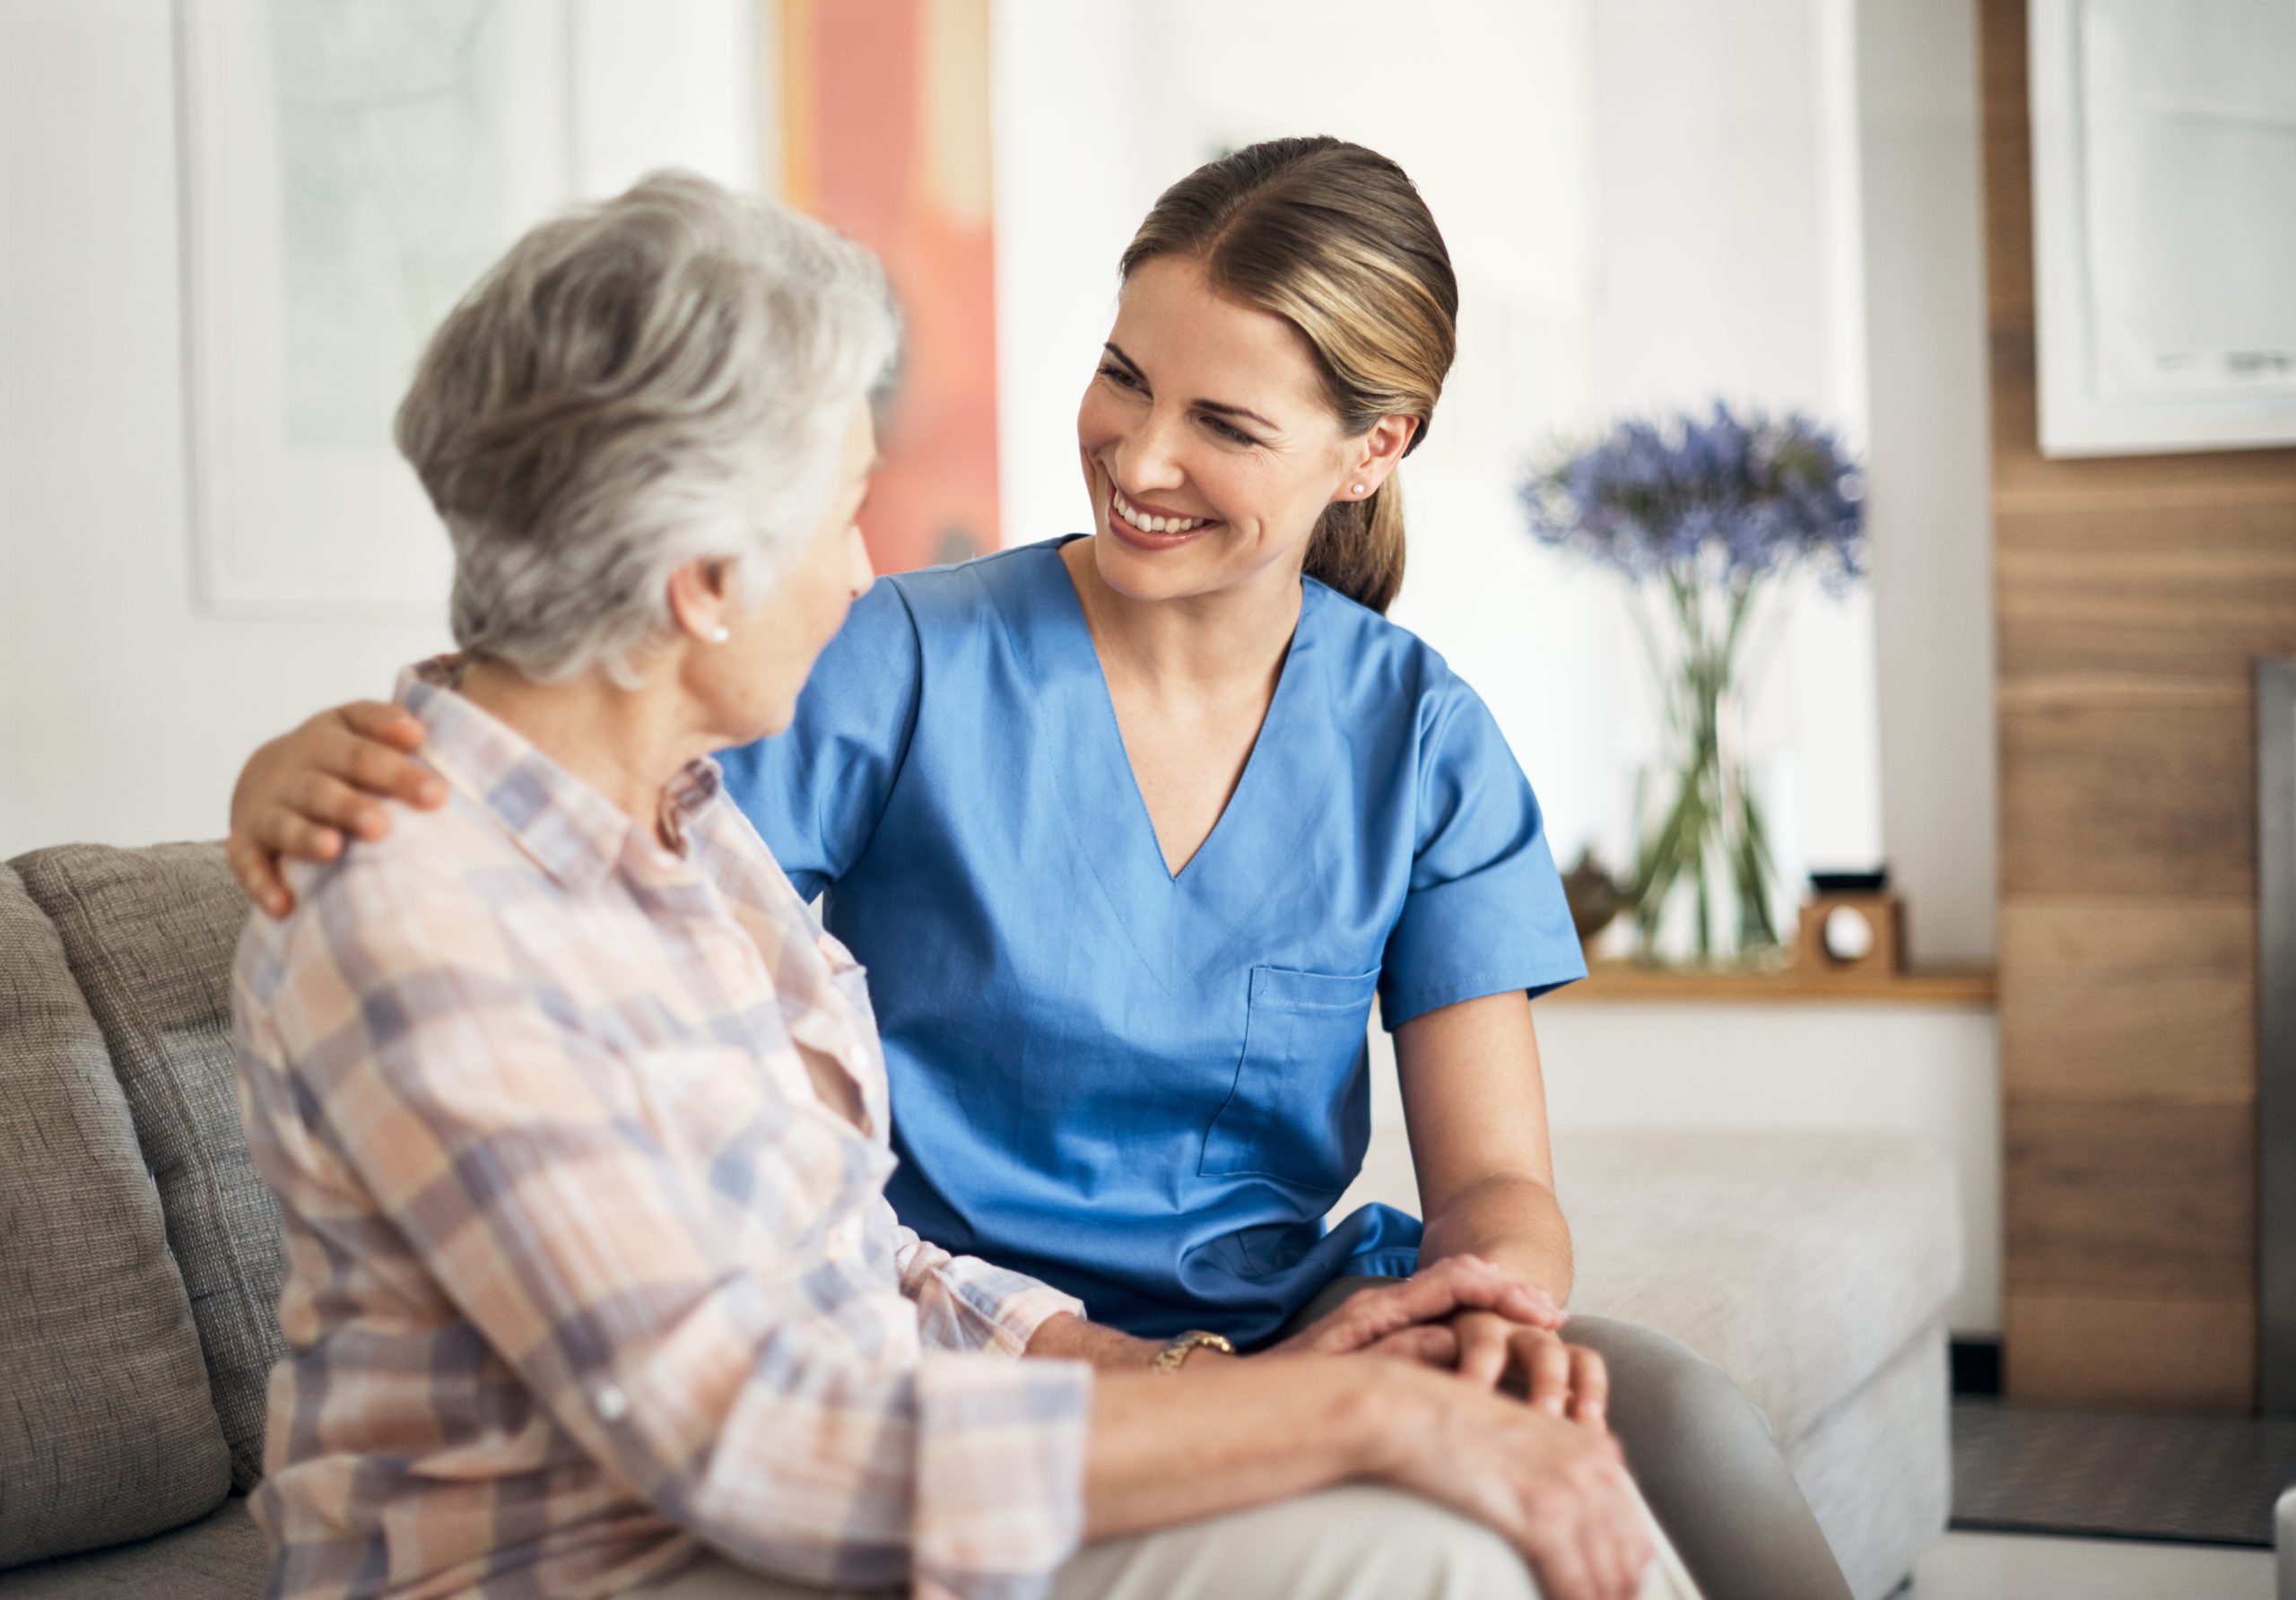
(1704, 1458)
(1357, 1541)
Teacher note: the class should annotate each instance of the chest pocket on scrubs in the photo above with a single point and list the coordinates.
(1300, 1109)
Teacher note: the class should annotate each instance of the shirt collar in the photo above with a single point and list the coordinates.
(574, 833)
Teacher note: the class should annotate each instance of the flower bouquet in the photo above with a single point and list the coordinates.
(1700, 515)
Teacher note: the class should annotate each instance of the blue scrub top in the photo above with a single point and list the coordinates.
(1142, 1088)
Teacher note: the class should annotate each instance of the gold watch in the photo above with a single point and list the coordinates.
(1171, 1357)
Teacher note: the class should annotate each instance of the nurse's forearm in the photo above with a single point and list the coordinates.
(1066, 1338)
(1476, 1104)
(1510, 1220)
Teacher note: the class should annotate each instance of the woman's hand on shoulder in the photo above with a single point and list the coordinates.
(1414, 1318)
(303, 795)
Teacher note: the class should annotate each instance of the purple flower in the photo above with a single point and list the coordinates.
(1719, 499)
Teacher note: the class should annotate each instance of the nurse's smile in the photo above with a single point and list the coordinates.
(1151, 528)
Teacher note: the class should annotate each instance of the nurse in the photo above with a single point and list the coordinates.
(1132, 827)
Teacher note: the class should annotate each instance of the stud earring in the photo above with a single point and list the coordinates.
(719, 635)
(1355, 488)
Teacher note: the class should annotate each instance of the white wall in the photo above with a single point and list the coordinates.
(1924, 248)
(1721, 136)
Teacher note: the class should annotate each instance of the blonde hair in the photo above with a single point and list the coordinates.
(656, 379)
(1334, 239)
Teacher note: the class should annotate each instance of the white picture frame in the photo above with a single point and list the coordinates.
(346, 173)
(2164, 224)
(325, 232)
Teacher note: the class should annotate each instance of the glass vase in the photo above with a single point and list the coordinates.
(1705, 887)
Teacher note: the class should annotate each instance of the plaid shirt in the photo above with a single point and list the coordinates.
(583, 1267)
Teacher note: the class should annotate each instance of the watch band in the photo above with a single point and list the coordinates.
(1174, 1355)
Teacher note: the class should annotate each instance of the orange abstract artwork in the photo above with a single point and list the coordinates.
(885, 137)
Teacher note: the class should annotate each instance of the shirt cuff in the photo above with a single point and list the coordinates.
(1000, 1474)
(1011, 1306)
(962, 1302)
(1405, 1002)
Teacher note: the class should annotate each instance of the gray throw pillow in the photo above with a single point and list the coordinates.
(106, 1430)
(150, 935)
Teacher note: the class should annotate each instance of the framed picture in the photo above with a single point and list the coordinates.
(348, 171)
(2164, 223)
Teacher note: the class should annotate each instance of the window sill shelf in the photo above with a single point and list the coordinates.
(1624, 982)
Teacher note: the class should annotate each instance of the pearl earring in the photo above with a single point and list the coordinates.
(1356, 488)
(719, 635)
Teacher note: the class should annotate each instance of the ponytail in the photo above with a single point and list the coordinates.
(1358, 547)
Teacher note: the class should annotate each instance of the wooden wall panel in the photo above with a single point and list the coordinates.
(2118, 796)
(2132, 999)
(2131, 1199)
(2131, 596)
(2104, 600)
(2008, 156)
(2096, 1350)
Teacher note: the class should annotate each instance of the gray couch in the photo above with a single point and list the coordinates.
(1813, 1268)
(139, 1263)
(140, 1260)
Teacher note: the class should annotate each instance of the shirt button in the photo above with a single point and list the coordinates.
(610, 1403)
(843, 1241)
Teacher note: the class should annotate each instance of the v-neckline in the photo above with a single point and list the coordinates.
(1114, 725)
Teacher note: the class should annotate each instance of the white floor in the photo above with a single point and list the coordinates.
(2023, 1567)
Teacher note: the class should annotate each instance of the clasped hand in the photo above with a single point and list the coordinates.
(1466, 1316)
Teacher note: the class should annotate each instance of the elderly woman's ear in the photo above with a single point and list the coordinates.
(701, 600)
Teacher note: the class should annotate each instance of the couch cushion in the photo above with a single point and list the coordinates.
(106, 1432)
(1798, 1263)
(150, 935)
(221, 1557)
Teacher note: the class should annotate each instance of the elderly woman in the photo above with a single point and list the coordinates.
(579, 1121)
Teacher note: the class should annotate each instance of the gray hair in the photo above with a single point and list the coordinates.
(656, 379)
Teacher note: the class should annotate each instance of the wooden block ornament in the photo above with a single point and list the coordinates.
(1852, 923)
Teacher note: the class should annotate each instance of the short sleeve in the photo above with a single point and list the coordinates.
(815, 792)
(1485, 912)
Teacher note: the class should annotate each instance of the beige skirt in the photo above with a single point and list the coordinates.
(1358, 1542)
